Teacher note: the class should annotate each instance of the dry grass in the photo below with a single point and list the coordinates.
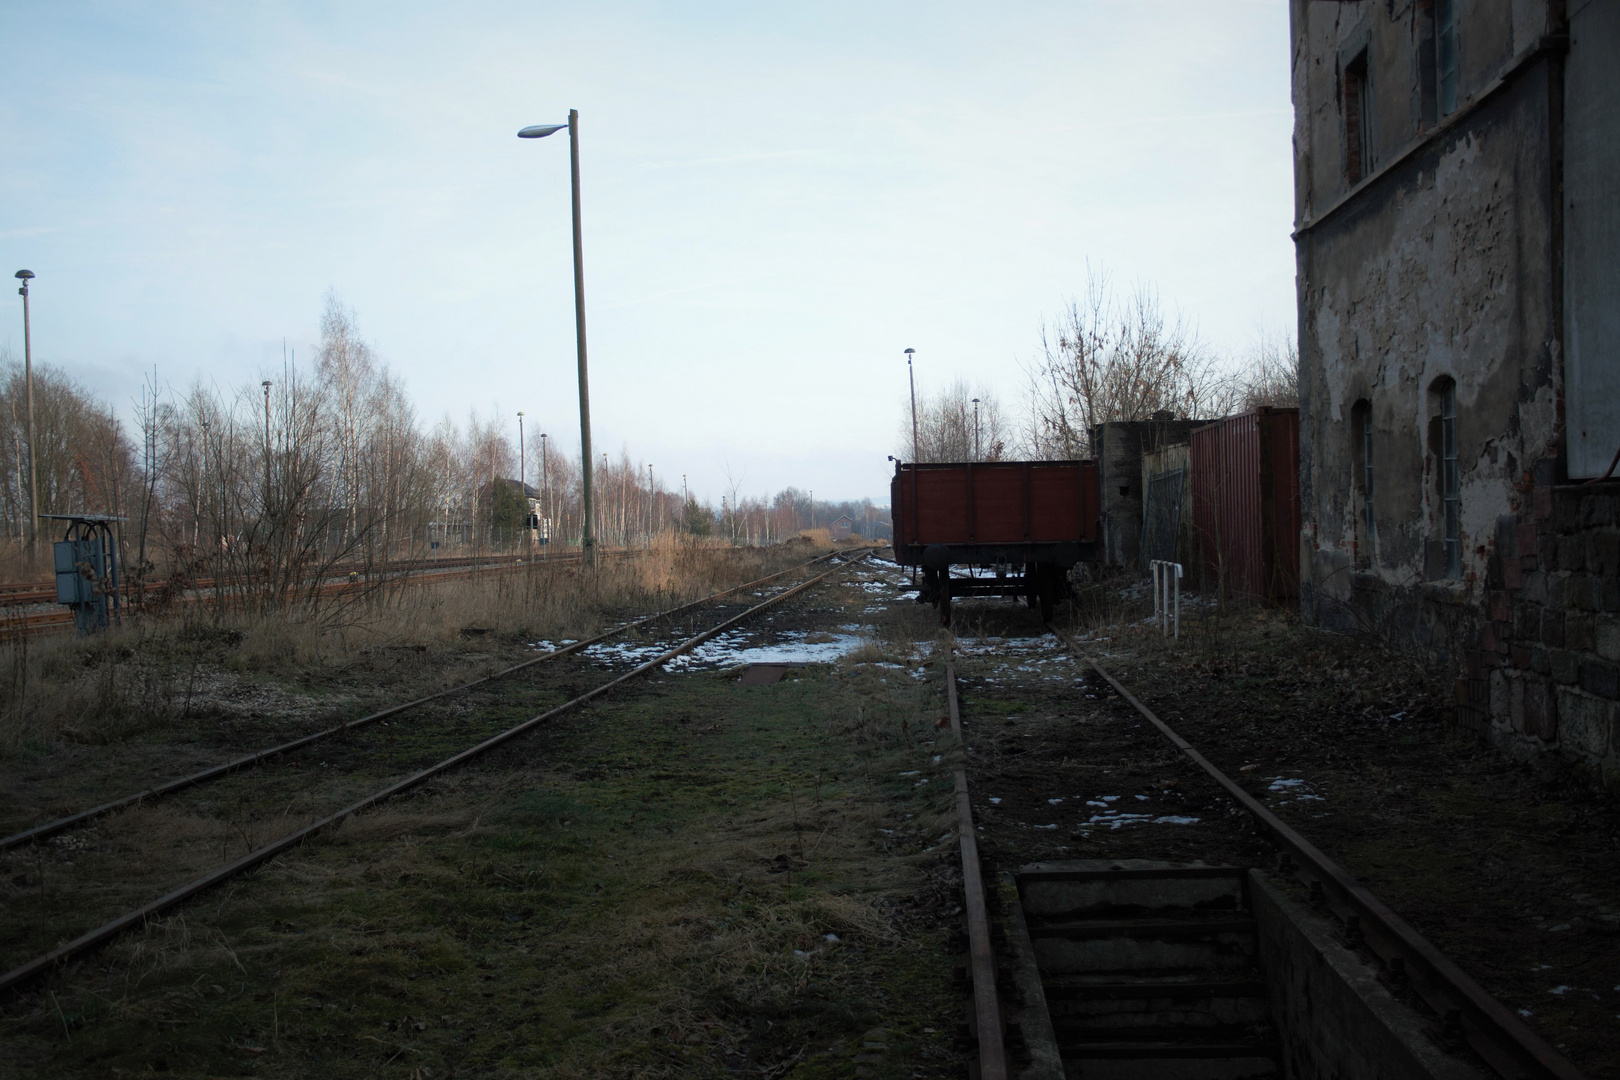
(153, 673)
(645, 891)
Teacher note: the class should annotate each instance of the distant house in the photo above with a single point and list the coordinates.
(513, 505)
(841, 528)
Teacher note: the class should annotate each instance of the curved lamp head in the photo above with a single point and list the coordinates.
(540, 131)
(909, 352)
(23, 274)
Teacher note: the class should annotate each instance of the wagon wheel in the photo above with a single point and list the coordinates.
(928, 592)
(945, 598)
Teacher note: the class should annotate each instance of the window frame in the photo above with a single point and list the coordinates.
(1367, 488)
(1355, 108)
(1445, 57)
(1361, 474)
(1450, 481)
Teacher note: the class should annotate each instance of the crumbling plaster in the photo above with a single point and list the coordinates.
(1430, 279)
(1326, 35)
(1446, 261)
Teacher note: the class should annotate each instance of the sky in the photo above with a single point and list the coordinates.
(777, 201)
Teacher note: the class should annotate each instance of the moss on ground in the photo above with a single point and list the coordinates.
(692, 879)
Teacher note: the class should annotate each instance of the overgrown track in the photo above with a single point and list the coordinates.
(1500, 1038)
(336, 581)
(247, 761)
(138, 916)
(986, 1025)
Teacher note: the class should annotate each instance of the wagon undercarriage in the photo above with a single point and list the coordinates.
(1040, 585)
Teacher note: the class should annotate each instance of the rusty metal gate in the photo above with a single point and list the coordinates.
(1161, 516)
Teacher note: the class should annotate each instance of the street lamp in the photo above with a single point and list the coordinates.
(975, 429)
(545, 489)
(587, 539)
(910, 374)
(266, 385)
(25, 276)
(523, 475)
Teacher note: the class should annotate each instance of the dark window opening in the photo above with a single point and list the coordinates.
(1357, 120)
(1361, 435)
(1450, 498)
(1445, 55)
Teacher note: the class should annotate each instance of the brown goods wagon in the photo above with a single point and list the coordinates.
(1028, 521)
(1245, 488)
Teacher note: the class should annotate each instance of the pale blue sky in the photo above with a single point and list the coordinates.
(778, 200)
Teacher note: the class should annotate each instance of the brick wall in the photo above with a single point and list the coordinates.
(1545, 670)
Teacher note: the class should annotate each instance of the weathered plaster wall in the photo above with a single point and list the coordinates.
(1443, 271)
(1447, 263)
(1329, 35)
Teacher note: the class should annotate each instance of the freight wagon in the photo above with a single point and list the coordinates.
(1021, 525)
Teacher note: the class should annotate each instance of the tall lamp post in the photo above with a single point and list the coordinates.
(545, 490)
(975, 429)
(587, 537)
(25, 276)
(523, 480)
(912, 375)
(266, 385)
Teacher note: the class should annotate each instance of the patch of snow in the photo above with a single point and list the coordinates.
(731, 650)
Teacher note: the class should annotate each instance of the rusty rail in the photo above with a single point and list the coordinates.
(982, 960)
(138, 917)
(1470, 1014)
(51, 828)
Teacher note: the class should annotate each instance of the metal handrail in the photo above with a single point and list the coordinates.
(1164, 583)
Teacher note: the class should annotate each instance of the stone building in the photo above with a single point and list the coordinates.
(1457, 208)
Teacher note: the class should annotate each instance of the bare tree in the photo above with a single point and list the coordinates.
(84, 459)
(1117, 358)
(956, 424)
(1270, 374)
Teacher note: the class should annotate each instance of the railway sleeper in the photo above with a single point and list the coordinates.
(1144, 970)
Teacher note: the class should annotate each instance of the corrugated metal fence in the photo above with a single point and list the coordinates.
(1245, 491)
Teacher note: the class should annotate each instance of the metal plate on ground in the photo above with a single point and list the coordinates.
(764, 674)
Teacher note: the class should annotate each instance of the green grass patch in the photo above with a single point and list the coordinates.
(693, 879)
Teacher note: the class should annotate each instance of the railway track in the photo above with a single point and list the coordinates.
(486, 741)
(1465, 1019)
(24, 593)
(15, 620)
(216, 772)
